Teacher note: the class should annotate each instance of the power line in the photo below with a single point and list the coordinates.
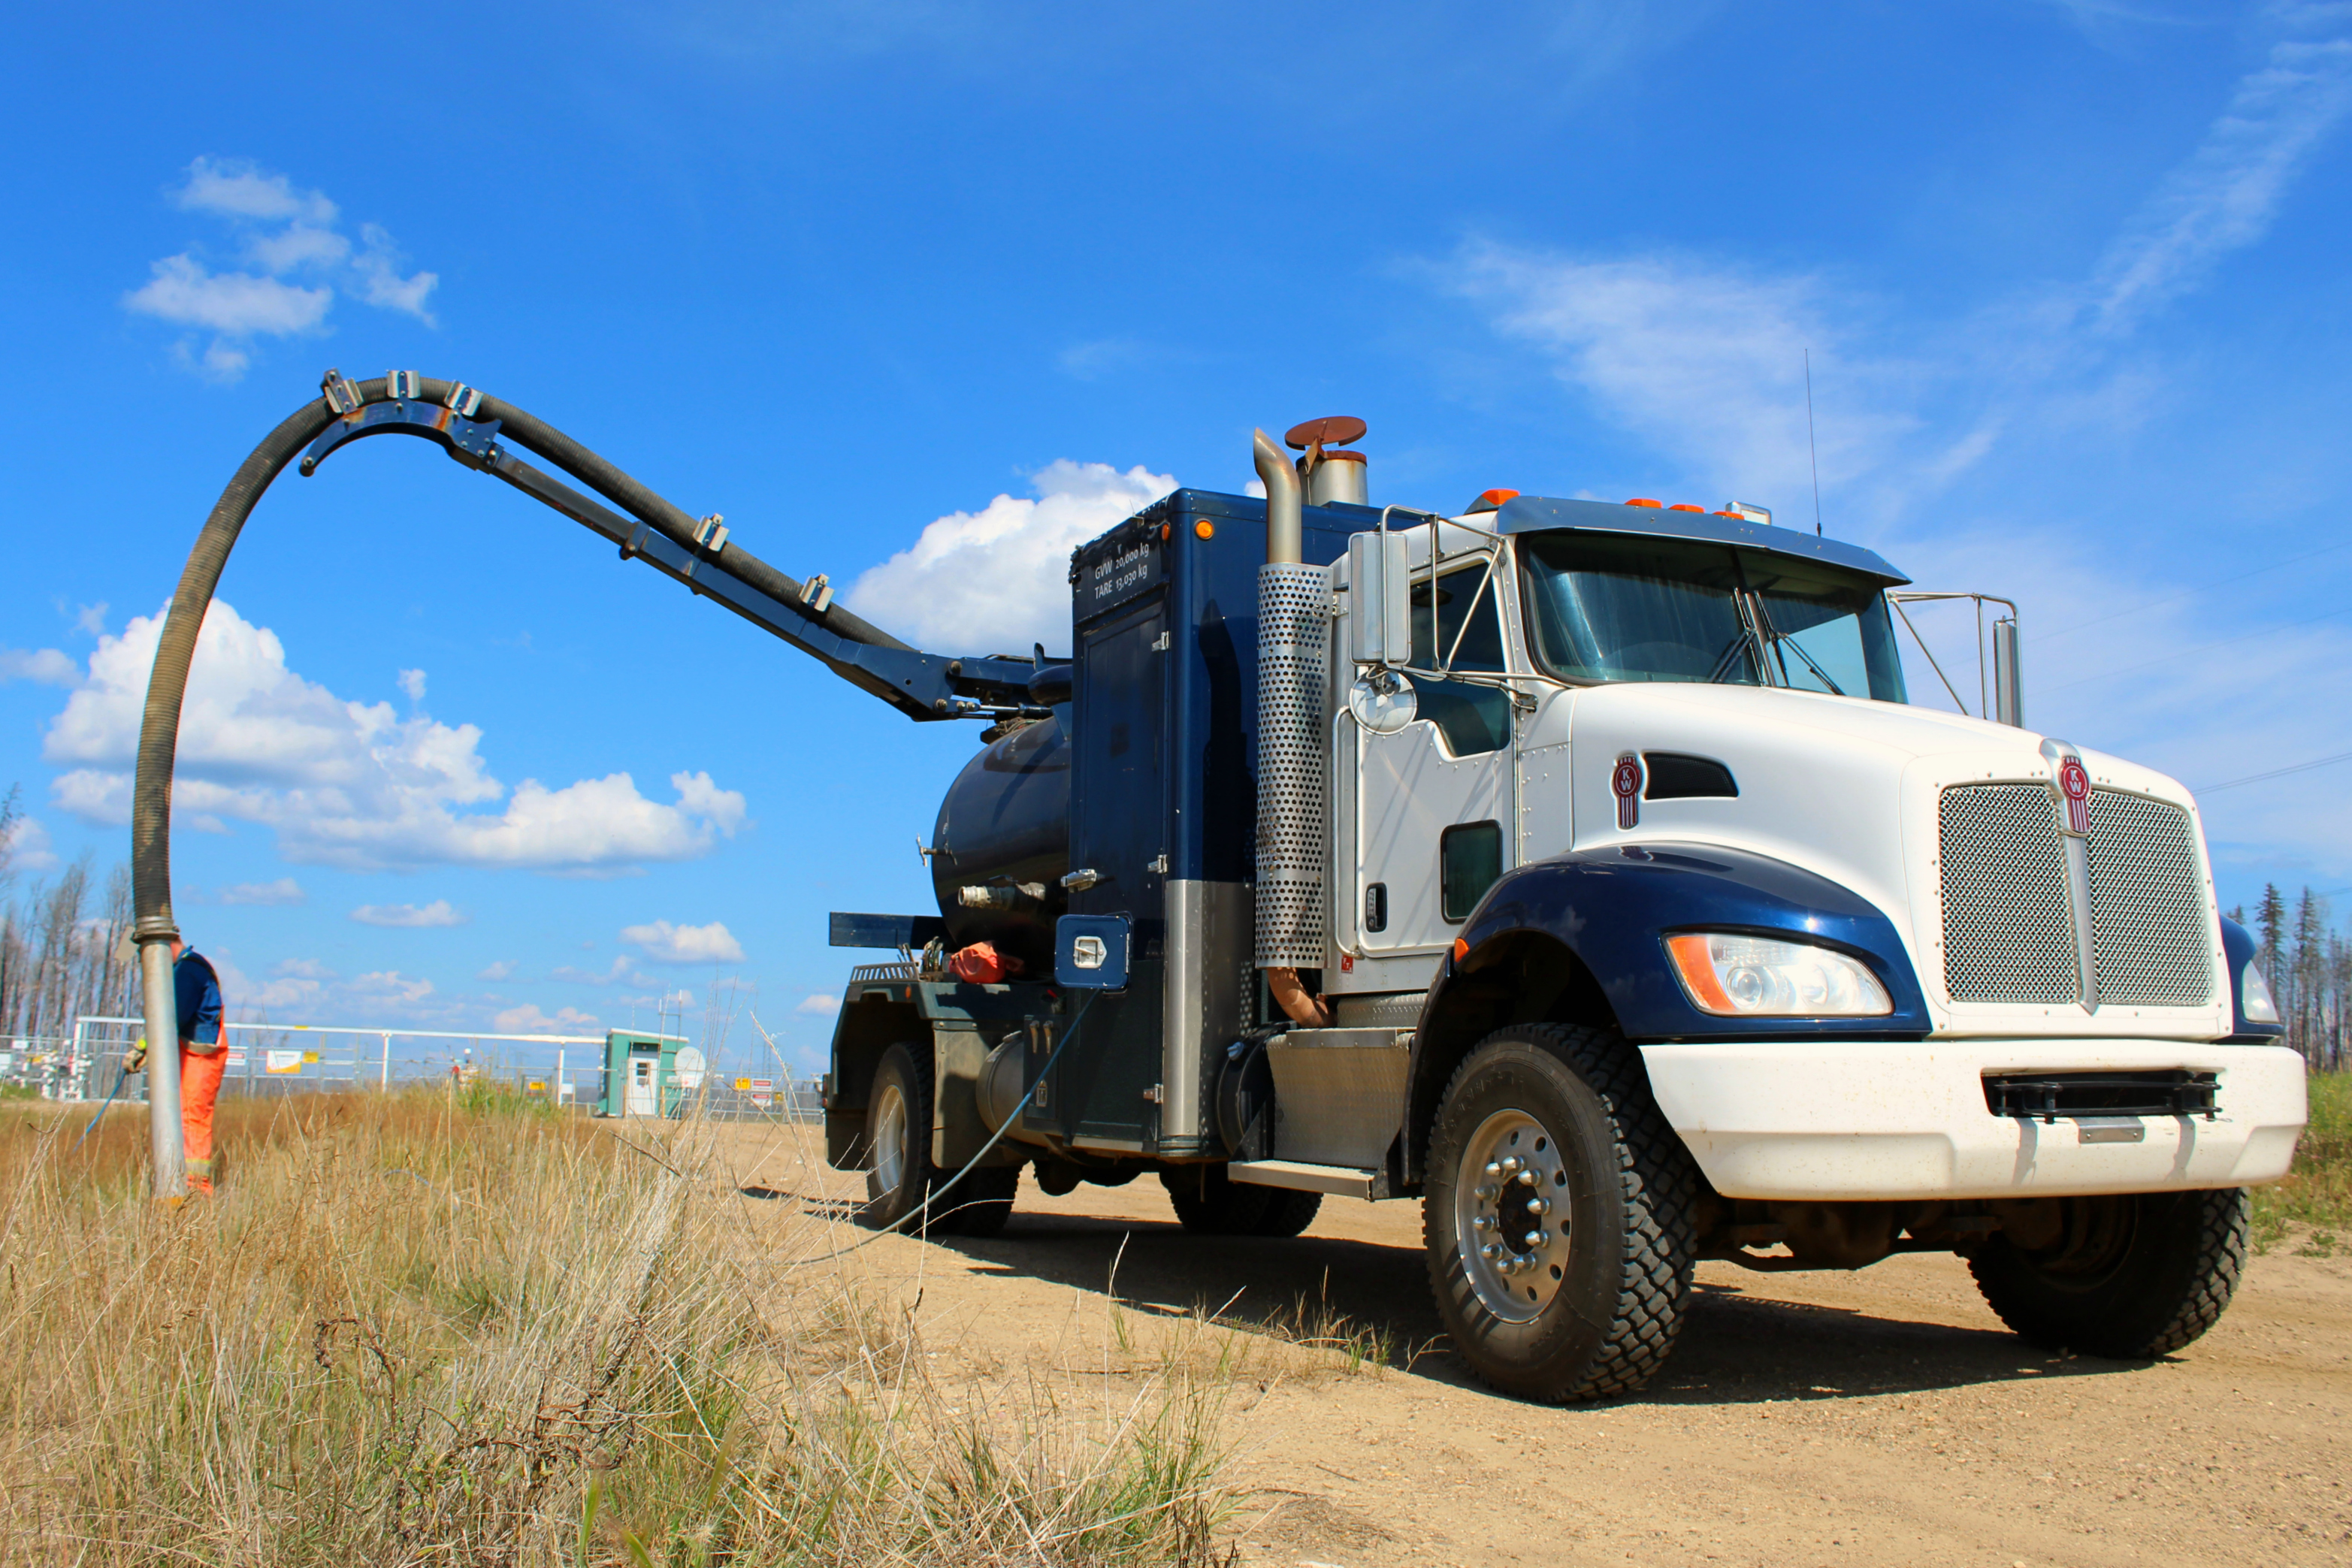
(2277, 773)
(2175, 599)
(2200, 648)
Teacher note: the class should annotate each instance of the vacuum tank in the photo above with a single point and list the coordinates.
(1001, 844)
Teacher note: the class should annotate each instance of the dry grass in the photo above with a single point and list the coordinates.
(418, 1330)
(2314, 1204)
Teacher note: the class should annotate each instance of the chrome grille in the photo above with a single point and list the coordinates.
(2148, 921)
(2008, 937)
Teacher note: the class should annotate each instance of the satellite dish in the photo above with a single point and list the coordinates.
(1383, 702)
(688, 1067)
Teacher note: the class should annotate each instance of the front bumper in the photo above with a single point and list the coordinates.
(1861, 1120)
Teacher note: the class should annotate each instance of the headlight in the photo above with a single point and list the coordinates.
(2254, 998)
(1756, 977)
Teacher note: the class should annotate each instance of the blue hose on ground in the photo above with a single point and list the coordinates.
(120, 1080)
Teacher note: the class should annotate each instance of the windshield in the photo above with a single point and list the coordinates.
(1604, 607)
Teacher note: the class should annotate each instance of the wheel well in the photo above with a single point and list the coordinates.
(1519, 977)
(867, 1028)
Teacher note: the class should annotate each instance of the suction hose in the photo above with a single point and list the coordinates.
(158, 729)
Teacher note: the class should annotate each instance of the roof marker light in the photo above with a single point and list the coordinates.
(1640, 501)
(1684, 506)
(1489, 501)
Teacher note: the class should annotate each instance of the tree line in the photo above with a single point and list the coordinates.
(63, 943)
(2309, 966)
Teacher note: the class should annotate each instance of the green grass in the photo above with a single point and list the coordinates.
(2314, 1204)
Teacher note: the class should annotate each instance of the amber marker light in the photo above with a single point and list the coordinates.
(1205, 529)
(1643, 501)
(1698, 970)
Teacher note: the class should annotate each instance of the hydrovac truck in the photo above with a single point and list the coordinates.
(1579, 868)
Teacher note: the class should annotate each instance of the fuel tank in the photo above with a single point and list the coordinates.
(1003, 843)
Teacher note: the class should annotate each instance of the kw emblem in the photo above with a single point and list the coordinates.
(1626, 781)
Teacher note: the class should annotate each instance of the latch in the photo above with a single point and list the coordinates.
(1079, 880)
(1158, 864)
(1160, 644)
(1156, 1094)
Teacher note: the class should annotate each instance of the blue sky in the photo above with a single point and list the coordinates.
(917, 294)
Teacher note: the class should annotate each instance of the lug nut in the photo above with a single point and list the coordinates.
(1489, 1193)
(1494, 1167)
(1483, 1222)
(1539, 1206)
(1533, 1238)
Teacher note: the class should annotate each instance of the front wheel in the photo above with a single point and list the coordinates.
(898, 1171)
(1557, 1216)
(2128, 1276)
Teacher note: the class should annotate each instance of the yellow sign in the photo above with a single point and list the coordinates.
(311, 1059)
(538, 1088)
(742, 1085)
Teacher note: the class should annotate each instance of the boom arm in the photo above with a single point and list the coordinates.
(469, 426)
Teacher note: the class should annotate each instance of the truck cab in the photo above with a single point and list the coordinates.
(1582, 871)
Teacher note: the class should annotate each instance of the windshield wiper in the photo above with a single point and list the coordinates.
(1781, 640)
(1722, 664)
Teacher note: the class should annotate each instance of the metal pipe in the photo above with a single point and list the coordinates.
(1285, 538)
(162, 1009)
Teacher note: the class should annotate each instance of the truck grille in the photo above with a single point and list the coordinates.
(2008, 934)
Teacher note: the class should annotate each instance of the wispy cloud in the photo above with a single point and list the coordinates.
(497, 970)
(438, 913)
(297, 256)
(2224, 197)
(282, 892)
(528, 1019)
(819, 1003)
(48, 666)
(27, 847)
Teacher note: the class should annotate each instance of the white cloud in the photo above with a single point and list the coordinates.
(234, 304)
(281, 234)
(618, 970)
(91, 617)
(819, 1003)
(997, 580)
(668, 944)
(412, 683)
(528, 1020)
(46, 665)
(501, 969)
(302, 968)
(237, 189)
(284, 891)
(352, 784)
(2224, 197)
(28, 847)
(439, 913)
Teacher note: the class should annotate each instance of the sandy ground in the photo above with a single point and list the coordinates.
(1878, 1416)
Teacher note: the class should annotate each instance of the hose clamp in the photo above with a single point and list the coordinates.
(404, 383)
(463, 399)
(343, 396)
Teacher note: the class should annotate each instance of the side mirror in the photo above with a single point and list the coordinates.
(1090, 952)
(1379, 587)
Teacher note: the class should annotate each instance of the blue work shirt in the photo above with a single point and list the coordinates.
(198, 998)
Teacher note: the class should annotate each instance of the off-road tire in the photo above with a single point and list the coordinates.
(1623, 1186)
(1210, 1203)
(903, 1073)
(2156, 1288)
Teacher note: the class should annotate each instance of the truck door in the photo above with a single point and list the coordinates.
(1432, 815)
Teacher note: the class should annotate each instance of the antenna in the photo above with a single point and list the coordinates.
(1811, 450)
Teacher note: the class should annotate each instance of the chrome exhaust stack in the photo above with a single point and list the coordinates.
(1294, 628)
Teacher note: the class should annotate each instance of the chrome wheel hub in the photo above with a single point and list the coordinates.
(889, 1118)
(1510, 1211)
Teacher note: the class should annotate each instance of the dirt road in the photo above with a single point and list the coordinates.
(1873, 1417)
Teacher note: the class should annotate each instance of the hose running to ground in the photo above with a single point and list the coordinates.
(158, 727)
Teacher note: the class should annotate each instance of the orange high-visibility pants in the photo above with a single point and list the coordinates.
(200, 1081)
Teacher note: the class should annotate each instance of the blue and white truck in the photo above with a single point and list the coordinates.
(1582, 871)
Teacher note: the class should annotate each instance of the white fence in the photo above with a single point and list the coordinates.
(309, 1059)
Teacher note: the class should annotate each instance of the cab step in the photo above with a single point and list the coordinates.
(1341, 1181)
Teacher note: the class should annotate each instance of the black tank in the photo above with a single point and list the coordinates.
(1005, 828)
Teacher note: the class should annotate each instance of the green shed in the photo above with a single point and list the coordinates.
(647, 1074)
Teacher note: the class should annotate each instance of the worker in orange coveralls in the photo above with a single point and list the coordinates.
(198, 997)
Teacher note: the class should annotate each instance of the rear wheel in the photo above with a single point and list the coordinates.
(899, 1170)
(1557, 1214)
(1212, 1202)
(2128, 1276)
